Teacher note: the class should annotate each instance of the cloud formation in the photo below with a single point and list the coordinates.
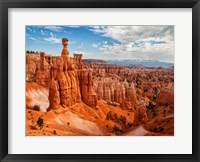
(42, 32)
(34, 39)
(137, 42)
(52, 39)
(73, 26)
(86, 54)
(54, 28)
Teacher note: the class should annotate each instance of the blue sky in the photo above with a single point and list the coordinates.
(105, 42)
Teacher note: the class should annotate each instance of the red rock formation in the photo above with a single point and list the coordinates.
(112, 90)
(78, 60)
(65, 52)
(42, 72)
(142, 111)
(87, 91)
(65, 77)
(54, 95)
(74, 83)
(166, 96)
(30, 68)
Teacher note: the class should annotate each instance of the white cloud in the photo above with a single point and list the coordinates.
(134, 33)
(137, 42)
(52, 35)
(95, 45)
(54, 28)
(73, 26)
(34, 39)
(42, 32)
(86, 55)
(148, 51)
(71, 42)
(29, 29)
(52, 40)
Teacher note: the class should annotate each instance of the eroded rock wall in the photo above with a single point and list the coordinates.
(74, 84)
(114, 91)
(67, 80)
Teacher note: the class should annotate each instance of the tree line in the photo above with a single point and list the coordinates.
(30, 51)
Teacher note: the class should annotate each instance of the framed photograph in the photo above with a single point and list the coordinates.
(99, 81)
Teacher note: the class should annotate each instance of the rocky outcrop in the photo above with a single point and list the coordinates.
(31, 61)
(70, 83)
(36, 95)
(166, 96)
(87, 90)
(43, 71)
(141, 108)
(113, 116)
(67, 80)
(113, 91)
(65, 52)
(54, 95)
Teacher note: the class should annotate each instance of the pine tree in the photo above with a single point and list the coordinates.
(40, 122)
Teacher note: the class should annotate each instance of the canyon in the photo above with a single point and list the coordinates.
(76, 97)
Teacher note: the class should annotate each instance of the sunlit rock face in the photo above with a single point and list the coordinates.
(115, 91)
(65, 52)
(166, 96)
(43, 72)
(67, 80)
(31, 67)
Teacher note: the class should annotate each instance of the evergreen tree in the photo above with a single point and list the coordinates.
(40, 122)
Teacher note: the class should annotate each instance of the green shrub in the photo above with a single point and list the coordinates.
(40, 122)
(54, 132)
(32, 80)
(112, 104)
(36, 107)
(130, 124)
(151, 105)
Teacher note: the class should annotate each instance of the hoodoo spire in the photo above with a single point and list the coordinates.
(65, 51)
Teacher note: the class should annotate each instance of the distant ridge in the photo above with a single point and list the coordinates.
(145, 63)
(95, 61)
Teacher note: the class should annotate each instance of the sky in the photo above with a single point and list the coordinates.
(105, 42)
